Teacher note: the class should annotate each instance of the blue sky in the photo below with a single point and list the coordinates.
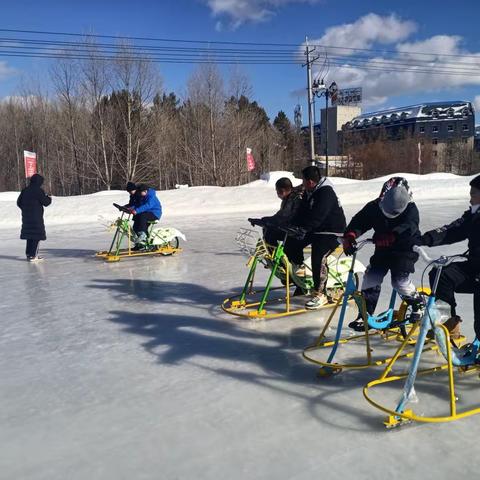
(413, 26)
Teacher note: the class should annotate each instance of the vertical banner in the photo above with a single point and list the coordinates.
(250, 160)
(30, 162)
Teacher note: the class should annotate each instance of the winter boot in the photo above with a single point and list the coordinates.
(318, 300)
(35, 259)
(140, 242)
(453, 326)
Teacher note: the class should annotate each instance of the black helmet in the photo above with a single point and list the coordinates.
(395, 182)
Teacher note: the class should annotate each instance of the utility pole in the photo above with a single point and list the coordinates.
(310, 101)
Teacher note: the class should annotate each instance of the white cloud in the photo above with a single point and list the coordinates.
(241, 11)
(366, 31)
(378, 83)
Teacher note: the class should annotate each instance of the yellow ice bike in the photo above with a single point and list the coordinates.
(458, 361)
(366, 349)
(160, 241)
(269, 301)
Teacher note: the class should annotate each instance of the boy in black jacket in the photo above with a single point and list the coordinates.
(460, 277)
(291, 197)
(394, 218)
(320, 219)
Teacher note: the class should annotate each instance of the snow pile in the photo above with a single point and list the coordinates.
(257, 197)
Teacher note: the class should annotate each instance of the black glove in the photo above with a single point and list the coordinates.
(424, 240)
(255, 221)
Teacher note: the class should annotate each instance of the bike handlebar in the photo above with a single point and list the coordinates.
(443, 260)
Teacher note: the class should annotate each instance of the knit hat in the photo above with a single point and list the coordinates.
(395, 201)
(475, 183)
(131, 187)
(36, 179)
(141, 187)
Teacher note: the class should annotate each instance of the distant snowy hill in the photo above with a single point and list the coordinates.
(258, 196)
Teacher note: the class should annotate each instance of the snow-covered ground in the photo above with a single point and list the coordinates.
(255, 196)
(132, 371)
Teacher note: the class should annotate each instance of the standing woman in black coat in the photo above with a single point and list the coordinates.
(31, 201)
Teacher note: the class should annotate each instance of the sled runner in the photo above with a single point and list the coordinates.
(390, 325)
(278, 301)
(160, 241)
(460, 360)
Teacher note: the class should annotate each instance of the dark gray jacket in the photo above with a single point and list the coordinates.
(288, 209)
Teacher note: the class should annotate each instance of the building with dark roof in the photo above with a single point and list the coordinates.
(447, 128)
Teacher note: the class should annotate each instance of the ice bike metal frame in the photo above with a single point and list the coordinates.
(123, 232)
(275, 259)
(466, 364)
(390, 325)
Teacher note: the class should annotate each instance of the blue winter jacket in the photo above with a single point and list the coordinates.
(149, 203)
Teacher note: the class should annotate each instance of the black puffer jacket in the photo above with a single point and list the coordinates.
(320, 211)
(467, 227)
(31, 201)
(399, 256)
(288, 209)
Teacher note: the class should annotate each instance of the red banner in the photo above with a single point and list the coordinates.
(250, 160)
(30, 162)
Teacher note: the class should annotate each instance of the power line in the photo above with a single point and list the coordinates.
(223, 42)
(81, 50)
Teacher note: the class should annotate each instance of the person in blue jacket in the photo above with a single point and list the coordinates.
(145, 207)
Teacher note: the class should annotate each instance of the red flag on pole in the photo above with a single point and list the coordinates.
(30, 162)
(250, 160)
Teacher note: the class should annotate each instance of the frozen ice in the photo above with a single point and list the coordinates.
(132, 371)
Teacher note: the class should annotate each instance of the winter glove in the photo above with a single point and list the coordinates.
(132, 211)
(255, 221)
(425, 240)
(349, 243)
(384, 240)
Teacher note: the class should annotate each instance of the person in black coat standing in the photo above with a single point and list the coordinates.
(31, 201)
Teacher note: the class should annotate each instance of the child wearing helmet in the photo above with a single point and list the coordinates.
(394, 218)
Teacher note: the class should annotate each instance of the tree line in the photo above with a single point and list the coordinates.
(108, 121)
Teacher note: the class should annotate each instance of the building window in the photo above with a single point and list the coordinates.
(465, 112)
(434, 141)
(435, 114)
(422, 129)
(435, 129)
(449, 128)
(465, 127)
(465, 139)
(450, 113)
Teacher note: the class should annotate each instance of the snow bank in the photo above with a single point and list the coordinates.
(256, 197)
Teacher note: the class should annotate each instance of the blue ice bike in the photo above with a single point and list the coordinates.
(463, 359)
(391, 325)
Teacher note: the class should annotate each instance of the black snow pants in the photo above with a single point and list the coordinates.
(140, 221)
(322, 246)
(459, 277)
(32, 248)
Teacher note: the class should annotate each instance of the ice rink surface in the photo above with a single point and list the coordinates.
(132, 371)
